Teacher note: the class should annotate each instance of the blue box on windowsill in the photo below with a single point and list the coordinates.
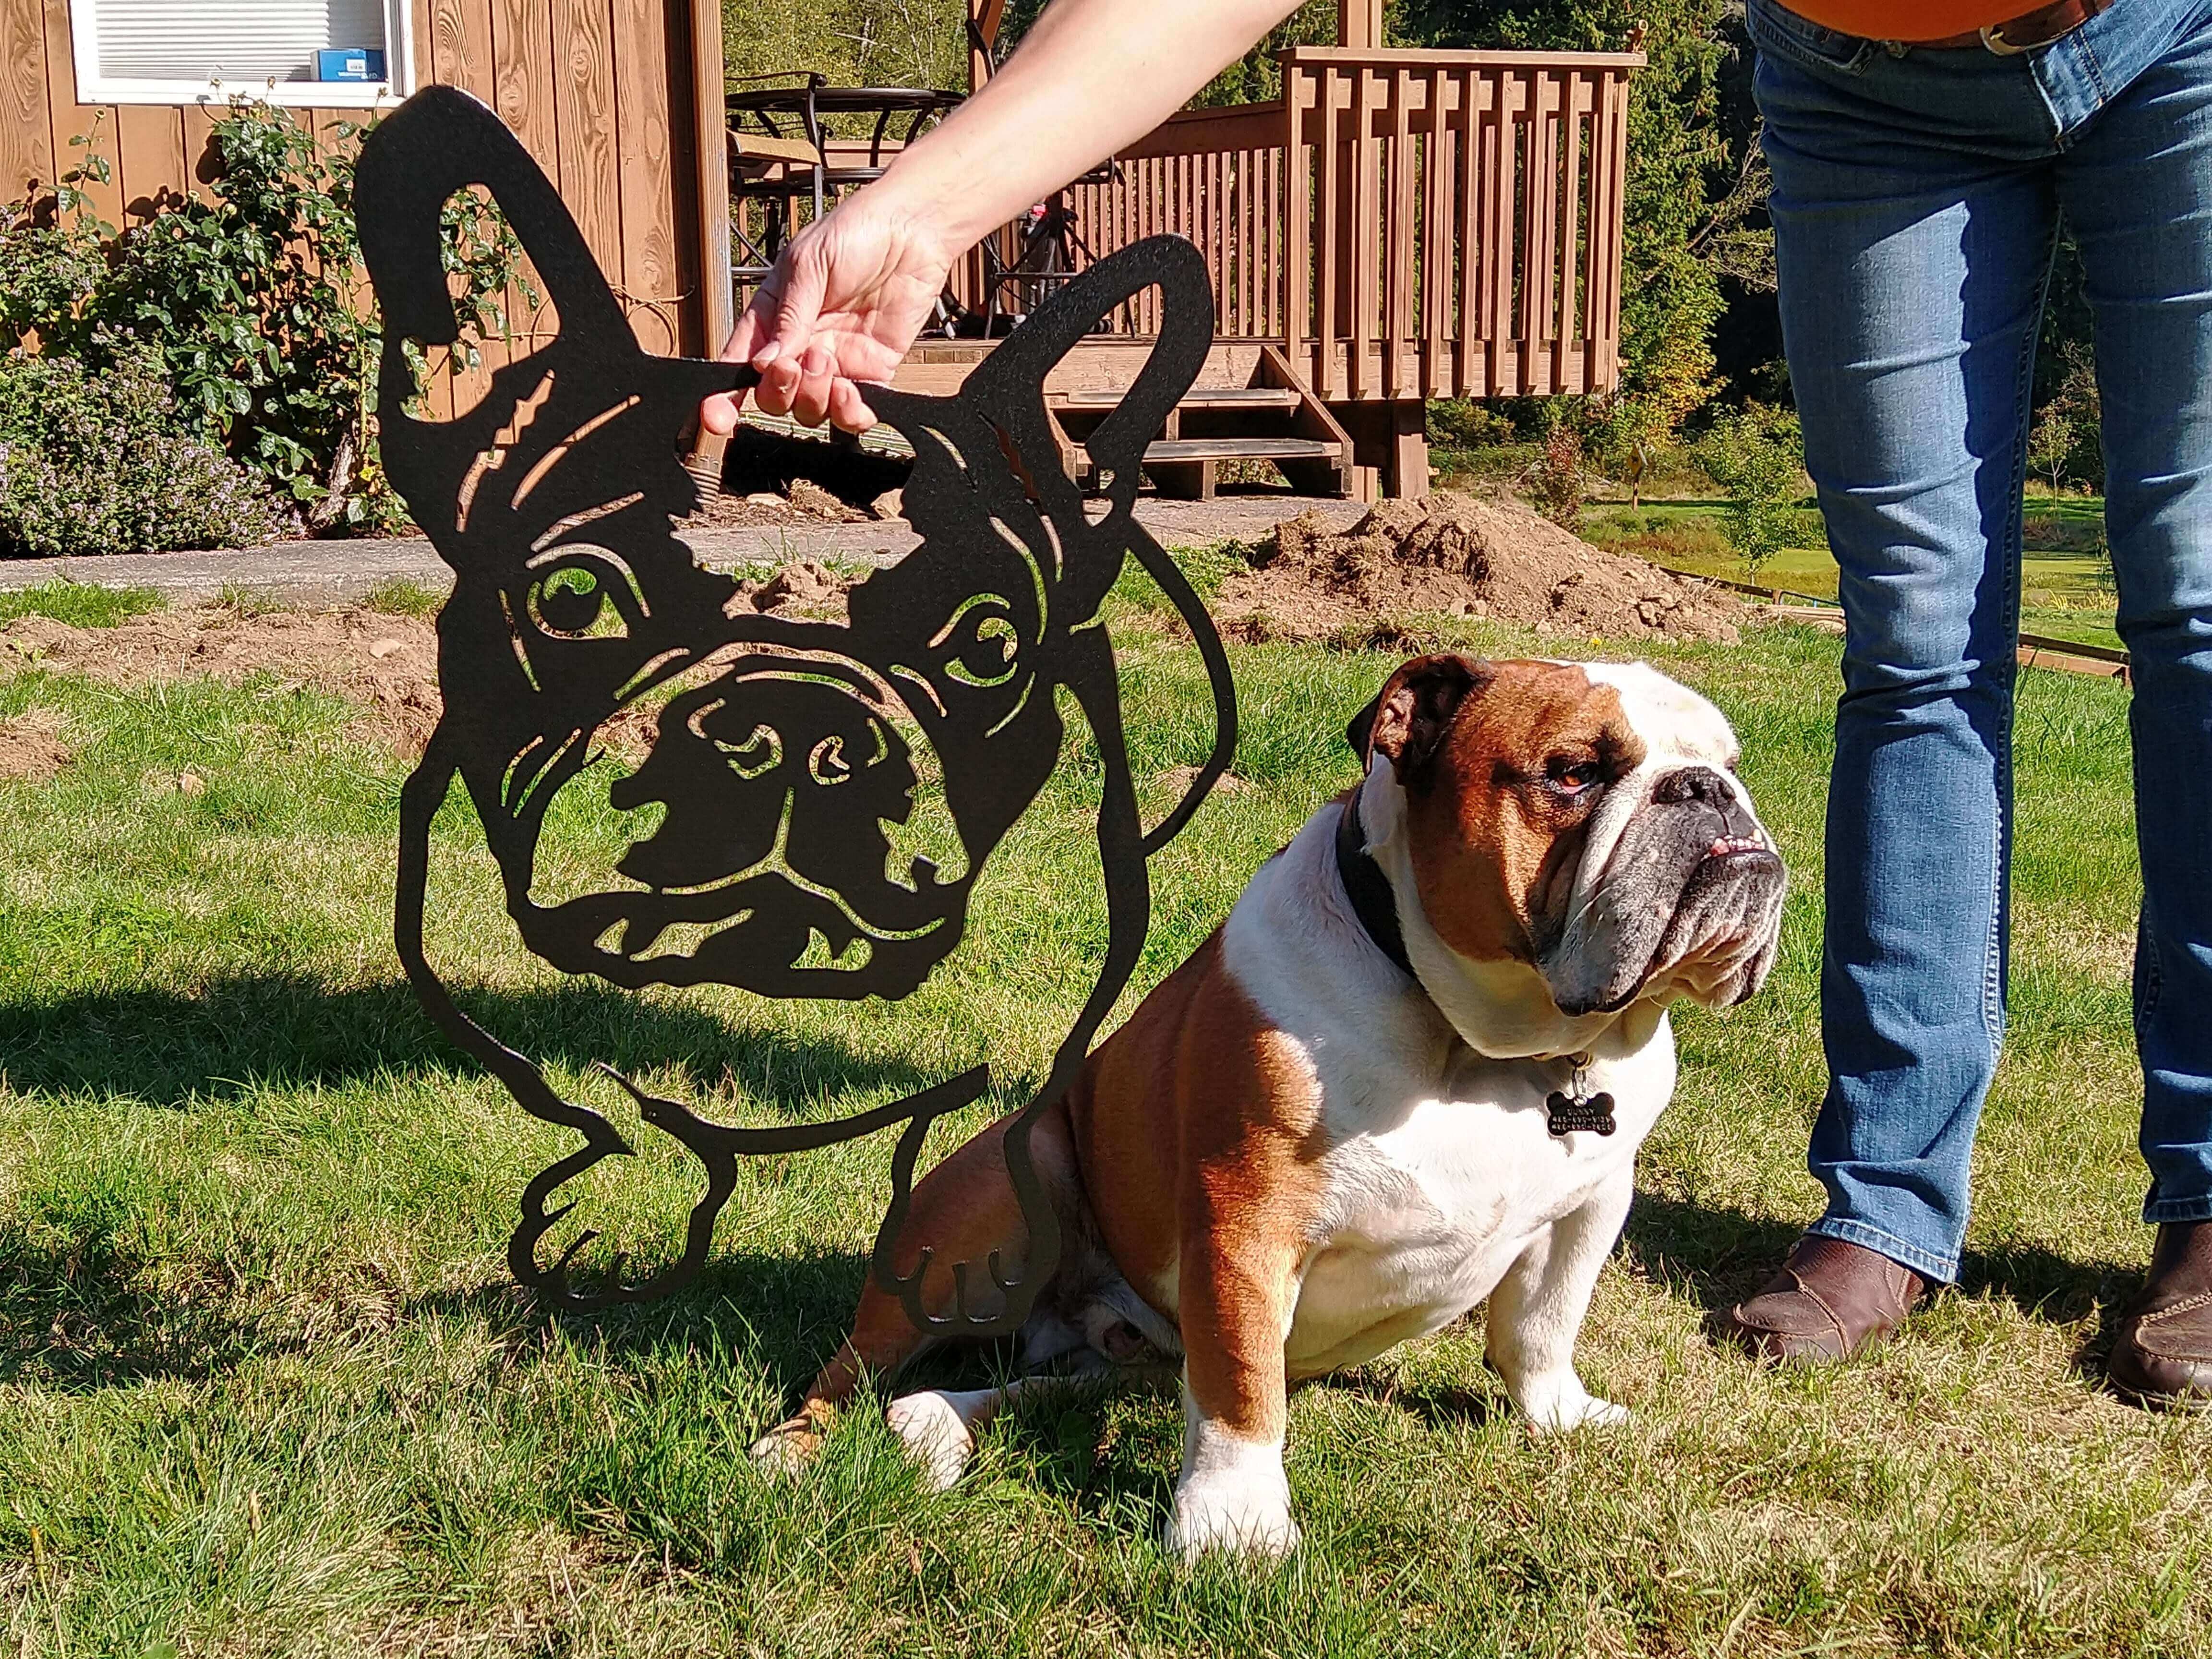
(349, 64)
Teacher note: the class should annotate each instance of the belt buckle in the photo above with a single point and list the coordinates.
(1993, 41)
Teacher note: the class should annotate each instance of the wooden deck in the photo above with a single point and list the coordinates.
(1247, 405)
(1404, 224)
(1399, 226)
(1100, 366)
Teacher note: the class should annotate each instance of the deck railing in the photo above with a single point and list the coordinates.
(1220, 178)
(1409, 224)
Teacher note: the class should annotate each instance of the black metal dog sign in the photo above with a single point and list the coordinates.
(783, 752)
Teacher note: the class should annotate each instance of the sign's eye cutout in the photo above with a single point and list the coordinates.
(579, 595)
(981, 644)
(762, 751)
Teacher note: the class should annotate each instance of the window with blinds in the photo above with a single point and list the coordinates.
(293, 51)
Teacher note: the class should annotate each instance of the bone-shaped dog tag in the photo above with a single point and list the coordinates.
(1565, 1116)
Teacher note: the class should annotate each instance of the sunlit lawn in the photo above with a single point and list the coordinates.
(265, 1387)
(2066, 583)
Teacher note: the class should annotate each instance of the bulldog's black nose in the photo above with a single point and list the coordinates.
(1702, 786)
(1694, 783)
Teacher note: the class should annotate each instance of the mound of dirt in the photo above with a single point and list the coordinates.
(1456, 555)
(806, 586)
(31, 747)
(387, 664)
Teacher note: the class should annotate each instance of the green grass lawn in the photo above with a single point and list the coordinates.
(265, 1387)
(2066, 584)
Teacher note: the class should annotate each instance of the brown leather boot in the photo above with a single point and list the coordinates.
(2164, 1356)
(1830, 1300)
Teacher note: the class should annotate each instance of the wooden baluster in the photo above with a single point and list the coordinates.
(1328, 277)
(1436, 176)
(1363, 228)
(1398, 275)
(1501, 202)
(1518, 274)
(1545, 131)
(1477, 93)
(1284, 292)
(1566, 352)
(1614, 205)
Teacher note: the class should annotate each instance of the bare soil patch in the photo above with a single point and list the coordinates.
(386, 663)
(807, 587)
(31, 746)
(801, 501)
(773, 478)
(1457, 555)
(1176, 780)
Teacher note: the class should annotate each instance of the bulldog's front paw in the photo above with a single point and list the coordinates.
(1242, 1516)
(1556, 1411)
(785, 1450)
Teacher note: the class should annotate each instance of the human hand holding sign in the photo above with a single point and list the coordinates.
(842, 305)
(851, 291)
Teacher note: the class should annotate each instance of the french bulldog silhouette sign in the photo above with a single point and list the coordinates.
(783, 751)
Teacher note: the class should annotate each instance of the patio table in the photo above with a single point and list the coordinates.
(770, 123)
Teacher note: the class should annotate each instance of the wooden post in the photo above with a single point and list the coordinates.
(1406, 474)
(984, 17)
(716, 287)
(1359, 23)
(712, 138)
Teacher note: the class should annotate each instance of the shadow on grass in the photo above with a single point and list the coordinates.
(90, 1314)
(257, 1030)
(787, 1313)
(1718, 1257)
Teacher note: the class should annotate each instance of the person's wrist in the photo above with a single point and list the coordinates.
(937, 214)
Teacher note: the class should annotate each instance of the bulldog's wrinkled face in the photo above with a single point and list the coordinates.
(1583, 823)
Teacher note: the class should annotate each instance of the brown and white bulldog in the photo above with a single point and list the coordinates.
(1410, 1072)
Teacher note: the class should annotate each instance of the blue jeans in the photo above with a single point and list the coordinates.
(1917, 196)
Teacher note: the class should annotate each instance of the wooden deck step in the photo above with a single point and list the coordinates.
(1211, 396)
(1172, 451)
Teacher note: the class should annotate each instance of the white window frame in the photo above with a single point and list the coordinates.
(398, 63)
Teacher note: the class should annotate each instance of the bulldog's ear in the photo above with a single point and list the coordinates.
(1408, 719)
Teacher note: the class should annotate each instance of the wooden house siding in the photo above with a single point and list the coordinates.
(607, 94)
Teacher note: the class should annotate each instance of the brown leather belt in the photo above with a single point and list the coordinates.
(2025, 33)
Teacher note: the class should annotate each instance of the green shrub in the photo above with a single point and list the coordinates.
(252, 302)
(1558, 483)
(102, 463)
(1464, 424)
(1757, 456)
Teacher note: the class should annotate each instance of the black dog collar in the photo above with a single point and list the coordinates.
(1567, 1112)
(1369, 888)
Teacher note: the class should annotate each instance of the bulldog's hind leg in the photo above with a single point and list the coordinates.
(962, 1210)
(1536, 1312)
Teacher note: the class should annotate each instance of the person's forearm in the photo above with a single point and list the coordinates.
(1089, 77)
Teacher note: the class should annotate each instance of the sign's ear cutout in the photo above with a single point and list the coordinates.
(1008, 389)
(440, 141)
